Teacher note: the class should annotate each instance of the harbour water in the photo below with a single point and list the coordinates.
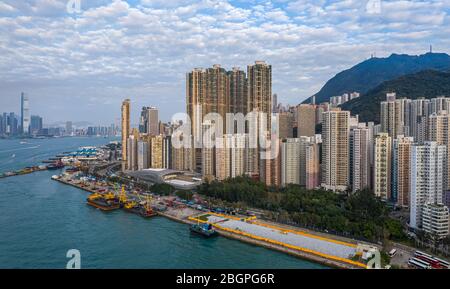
(42, 219)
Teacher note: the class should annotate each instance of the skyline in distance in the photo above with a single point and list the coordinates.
(81, 66)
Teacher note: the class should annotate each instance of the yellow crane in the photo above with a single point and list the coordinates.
(123, 196)
(148, 203)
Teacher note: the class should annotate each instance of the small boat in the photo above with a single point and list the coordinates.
(205, 230)
(148, 214)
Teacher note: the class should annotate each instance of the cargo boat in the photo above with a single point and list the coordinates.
(72, 169)
(104, 202)
(132, 207)
(55, 166)
(205, 230)
(138, 209)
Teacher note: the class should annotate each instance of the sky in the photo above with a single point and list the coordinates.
(79, 64)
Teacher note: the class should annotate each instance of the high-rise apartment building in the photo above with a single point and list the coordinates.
(435, 220)
(270, 166)
(383, 166)
(125, 131)
(286, 121)
(167, 152)
(223, 154)
(427, 178)
(360, 153)
(418, 114)
(12, 124)
(306, 118)
(238, 91)
(312, 165)
(142, 155)
(401, 170)
(335, 150)
(259, 101)
(305, 143)
(230, 156)
(156, 151)
(238, 152)
(35, 124)
(182, 159)
(439, 131)
(439, 104)
(260, 89)
(132, 151)
(300, 162)
(149, 121)
(392, 115)
(290, 161)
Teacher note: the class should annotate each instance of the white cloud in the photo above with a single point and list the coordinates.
(114, 49)
(4, 7)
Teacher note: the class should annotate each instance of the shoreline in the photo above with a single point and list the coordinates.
(230, 235)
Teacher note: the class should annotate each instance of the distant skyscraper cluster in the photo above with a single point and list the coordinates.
(341, 99)
(148, 146)
(30, 125)
(12, 125)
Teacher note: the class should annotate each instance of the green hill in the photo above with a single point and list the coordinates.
(427, 84)
(372, 72)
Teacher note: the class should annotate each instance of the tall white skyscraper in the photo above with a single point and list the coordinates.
(427, 178)
(290, 161)
(360, 157)
(439, 131)
(435, 220)
(25, 114)
(300, 162)
(335, 150)
(132, 161)
(142, 155)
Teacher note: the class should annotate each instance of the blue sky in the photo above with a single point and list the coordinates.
(79, 66)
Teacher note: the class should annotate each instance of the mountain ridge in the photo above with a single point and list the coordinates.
(370, 73)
